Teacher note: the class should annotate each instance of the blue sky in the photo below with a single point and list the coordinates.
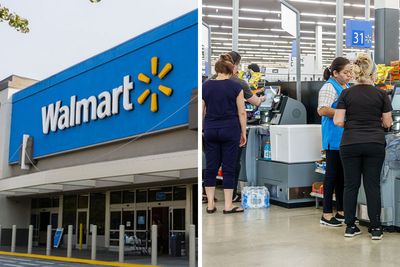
(63, 33)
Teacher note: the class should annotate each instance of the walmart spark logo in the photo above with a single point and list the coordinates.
(162, 88)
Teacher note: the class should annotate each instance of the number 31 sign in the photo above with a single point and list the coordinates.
(359, 33)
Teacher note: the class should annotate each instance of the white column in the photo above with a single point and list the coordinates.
(107, 221)
(367, 9)
(94, 244)
(30, 237)
(154, 245)
(13, 237)
(235, 24)
(121, 243)
(48, 243)
(318, 49)
(60, 211)
(69, 241)
(339, 28)
(192, 246)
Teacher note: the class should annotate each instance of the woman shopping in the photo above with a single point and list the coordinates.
(224, 131)
(337, 77)
(364, 111)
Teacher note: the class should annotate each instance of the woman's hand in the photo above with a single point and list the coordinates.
(243, 139)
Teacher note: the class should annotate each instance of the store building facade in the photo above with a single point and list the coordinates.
(109, 141)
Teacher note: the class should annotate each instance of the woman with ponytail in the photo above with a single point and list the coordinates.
(224, 125)
(364, 111)
(337, 77)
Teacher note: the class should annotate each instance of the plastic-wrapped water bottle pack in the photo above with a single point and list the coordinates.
(254, 197)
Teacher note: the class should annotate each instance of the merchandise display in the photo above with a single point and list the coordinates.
(255, 197)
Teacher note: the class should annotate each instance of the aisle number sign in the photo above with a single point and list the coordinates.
(359, 33)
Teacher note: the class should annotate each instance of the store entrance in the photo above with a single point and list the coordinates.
(44, 221)
(82, 228)
(159, 217)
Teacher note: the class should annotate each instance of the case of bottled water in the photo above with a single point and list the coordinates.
(254, 197)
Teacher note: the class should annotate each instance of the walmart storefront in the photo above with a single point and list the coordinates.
(109, 141)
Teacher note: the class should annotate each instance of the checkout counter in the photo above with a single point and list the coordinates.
(282, 121)
(390, 177)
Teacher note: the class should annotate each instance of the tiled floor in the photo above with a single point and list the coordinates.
(289, 237)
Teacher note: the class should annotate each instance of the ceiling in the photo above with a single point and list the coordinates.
(261, 39)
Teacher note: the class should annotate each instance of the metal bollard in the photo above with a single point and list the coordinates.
(48, 243)
(69, 241)
(121, 243)
(30, 237)
(13, 237)
(192, 245)
(94, 237)
(154, 245)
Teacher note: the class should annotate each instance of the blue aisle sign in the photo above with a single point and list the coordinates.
(294, 48)
(57, 237)
(359, 33)
(141, 86)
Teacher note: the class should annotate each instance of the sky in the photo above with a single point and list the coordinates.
(64, 33)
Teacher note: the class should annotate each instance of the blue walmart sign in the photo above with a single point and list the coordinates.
(359, 33)
(140, 86)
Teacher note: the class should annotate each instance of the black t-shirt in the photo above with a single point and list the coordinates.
(364, 105)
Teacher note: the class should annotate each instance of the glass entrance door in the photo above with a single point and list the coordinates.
(44, 221)
(159, 217)
(82, 228)
(141, 226)
(177, 231)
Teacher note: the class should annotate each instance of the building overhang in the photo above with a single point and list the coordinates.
(174, 166)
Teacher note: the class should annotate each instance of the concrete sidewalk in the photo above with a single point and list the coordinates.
(106, 255)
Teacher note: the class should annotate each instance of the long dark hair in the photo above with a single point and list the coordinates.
(338, 64)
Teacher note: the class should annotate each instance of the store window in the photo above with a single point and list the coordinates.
(128, 197)
(116, 197)
(141, 220)
(160, 194)
(69, 211)
(141, 196)
(97, 211)
(44, 203)
(180, 193)
(179, 219)
(55, 202)
(83, 201)
(34, 203)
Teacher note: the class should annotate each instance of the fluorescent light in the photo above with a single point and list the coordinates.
(267, 41)
(277, 30)
(317, 15)
(260, 10)
(217, 7)
(250, 18)
(218, 16)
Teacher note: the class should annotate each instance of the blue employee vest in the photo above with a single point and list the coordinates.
(332, 134)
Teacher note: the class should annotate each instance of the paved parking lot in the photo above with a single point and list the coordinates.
(9, 261)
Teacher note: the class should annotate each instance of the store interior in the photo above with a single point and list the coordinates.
(283, 151)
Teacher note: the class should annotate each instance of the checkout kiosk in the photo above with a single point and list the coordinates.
(282, 121)
(390, 176)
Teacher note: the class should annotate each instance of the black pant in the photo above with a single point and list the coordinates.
(365, 159)
(237, 170)
(333, 180)
(221, 147)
